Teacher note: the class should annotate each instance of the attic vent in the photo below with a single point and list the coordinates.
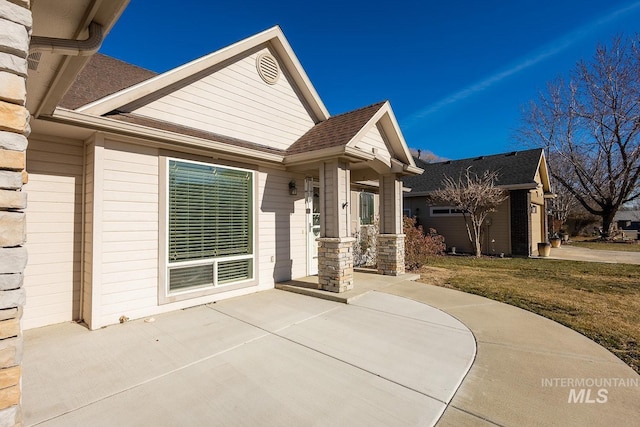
(268, 68)
(33, 60)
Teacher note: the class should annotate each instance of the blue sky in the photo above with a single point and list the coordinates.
(457, 72)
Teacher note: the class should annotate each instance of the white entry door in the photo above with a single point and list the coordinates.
(312, 189)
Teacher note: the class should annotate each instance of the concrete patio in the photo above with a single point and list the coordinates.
(398, 354)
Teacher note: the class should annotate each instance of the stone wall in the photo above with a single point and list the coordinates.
(520, 222)
(391, 254)
(15, 33)
(335, 263)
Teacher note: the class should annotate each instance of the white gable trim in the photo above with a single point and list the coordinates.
(391, 134)
(273, 36)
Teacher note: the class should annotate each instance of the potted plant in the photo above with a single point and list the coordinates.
(544, 249)
(555, 240)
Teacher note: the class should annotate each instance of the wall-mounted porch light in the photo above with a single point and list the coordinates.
(292, 188)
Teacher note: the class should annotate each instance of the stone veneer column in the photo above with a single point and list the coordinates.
(335, 263)
(335, 246)
(391, 240)
(15, 33)
(391, 254)
(520, 202)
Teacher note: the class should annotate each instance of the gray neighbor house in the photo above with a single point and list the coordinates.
(518, 224)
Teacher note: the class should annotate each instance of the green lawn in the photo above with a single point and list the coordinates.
(601, 301)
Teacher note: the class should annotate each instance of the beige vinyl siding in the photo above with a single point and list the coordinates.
(87, 302)
(54, 213)
(281, 228)
(129, 238)
(234, 101)
(499, 230)
(373, 142)
(454, 230)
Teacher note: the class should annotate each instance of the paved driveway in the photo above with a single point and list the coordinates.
(272, 359)
(575, 253)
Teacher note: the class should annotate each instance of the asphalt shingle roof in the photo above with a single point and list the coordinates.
(103, 76)
(514, 168)
(335, 131)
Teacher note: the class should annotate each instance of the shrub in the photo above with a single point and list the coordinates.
(418, 247)
(365, 248)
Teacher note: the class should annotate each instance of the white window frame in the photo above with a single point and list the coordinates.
(165, 295)
(373, 208)
(451, 211)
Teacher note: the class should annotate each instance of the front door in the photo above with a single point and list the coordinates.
(313, 225)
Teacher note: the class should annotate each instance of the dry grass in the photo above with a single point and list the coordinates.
(601, 301)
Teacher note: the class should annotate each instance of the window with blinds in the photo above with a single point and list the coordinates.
(210, 225)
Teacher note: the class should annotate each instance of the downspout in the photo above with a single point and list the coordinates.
(86, 47)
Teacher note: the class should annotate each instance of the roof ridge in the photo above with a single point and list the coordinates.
(482, 156)
(380, 103)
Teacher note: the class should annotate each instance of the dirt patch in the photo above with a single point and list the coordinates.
(435, 275)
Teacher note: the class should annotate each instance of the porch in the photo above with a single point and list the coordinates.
(365, 280)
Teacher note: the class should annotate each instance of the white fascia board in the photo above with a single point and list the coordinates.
(117, 127)
(273, 35)
(408, 158)
(544, 173)
(326, 154)
(367, 126)
(393, 133)
(287, 55)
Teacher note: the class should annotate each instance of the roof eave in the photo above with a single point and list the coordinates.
(349, 153)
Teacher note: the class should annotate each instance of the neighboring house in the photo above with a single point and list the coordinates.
(628, 220)
(628, 223)
(155, 192)
(518, 224)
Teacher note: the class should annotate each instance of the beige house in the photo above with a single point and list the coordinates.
(155, 192)
(518, 224)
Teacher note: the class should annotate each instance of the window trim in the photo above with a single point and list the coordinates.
(372, 208)
(451, 211)
(165, 295)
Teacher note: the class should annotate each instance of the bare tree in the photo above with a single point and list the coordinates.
(476, 196)
(590, 126)
(562, 207)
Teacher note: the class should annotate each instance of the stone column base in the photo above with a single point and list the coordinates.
(335, 263)
(391, 254)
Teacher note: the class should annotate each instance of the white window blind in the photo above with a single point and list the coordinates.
(210, 225)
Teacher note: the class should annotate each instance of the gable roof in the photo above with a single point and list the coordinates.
(103, 76)
(108, 87)
(516, 169)
(336, 131)
(273, 37)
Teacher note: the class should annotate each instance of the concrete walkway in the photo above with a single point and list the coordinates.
(268, 359)
(575, 253)
(525, 365)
